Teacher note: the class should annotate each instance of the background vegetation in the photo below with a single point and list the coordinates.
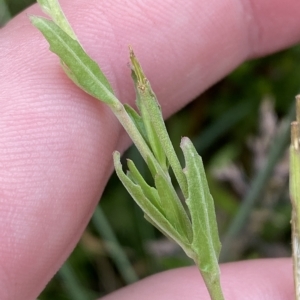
(240, 128)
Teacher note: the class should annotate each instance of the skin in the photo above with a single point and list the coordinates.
(56, 142)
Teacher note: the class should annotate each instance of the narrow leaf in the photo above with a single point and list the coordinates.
(82, 69)
(150, 192)
(173, 208)
(152, 165)
(53, 10)
(145, 204)
(137, 120)
(139, 80)
(200, 203)
(148, 100)
(186, 247)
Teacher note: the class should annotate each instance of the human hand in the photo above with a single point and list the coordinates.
(56, 142)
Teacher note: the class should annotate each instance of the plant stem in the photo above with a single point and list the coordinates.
(135, 135)
(295, 195)
(213, 284)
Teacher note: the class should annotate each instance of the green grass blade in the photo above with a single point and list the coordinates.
(5, 14)
(82, 69)
(113, 246)
(71, 283)
(220, 126)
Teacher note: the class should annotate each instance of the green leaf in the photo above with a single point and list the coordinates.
(152, 165)
(142, 95)
(53, 9)
(150, 192)
(137, 120)
(150, 210)
(154, 123)
(173, 208)
(185, 246)
(206, 243)
(80, 67)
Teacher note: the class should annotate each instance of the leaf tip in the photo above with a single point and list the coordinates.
(116, 156)
(185, 143)
(137, 71)
(34, 19)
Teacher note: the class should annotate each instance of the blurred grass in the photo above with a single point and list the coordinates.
(279, 145)
(5, 14)
(220, 122)
(16, 6)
